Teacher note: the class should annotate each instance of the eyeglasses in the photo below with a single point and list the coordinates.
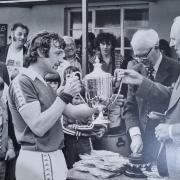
(142, 58)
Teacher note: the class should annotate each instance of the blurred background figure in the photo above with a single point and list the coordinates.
(6, 145)
(53, 80)
(70, 52)
(164, 47)
(105, 44)
(78, 132)
(13, 53)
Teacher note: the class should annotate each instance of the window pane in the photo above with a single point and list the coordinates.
(76, 34)
(76, 20)
(107, 18)
(76, 24)
(115, 31)
(136, 17)
(128, 36)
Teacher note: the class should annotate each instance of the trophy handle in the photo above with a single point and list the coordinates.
(87, 96)
(119, 90)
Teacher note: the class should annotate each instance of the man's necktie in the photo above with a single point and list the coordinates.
(150, 72)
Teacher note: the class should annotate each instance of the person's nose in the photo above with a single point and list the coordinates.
(23, 37)
(106, 45)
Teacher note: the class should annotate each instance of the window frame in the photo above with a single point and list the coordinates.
(121, 8)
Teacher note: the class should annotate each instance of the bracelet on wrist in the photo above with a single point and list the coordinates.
(67, 98)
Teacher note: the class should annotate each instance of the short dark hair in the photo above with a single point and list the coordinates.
(69, 70)
(53, 78)
(105, 37)
(16, 25)
(41, 42)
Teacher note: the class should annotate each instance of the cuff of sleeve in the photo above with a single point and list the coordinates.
(134, 131)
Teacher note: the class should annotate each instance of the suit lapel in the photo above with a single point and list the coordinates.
(162, 72)
(175, 94)
(4, 53)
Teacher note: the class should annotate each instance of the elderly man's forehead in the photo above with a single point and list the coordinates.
(141, 47)
(175, 29)
(69, 40)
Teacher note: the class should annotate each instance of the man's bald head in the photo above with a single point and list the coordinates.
(144, 39)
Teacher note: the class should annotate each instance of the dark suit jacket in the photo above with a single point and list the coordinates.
(135, 107)
(170, 99)
(4, 51)
(4, 73)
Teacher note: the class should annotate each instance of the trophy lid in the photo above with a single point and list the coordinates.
(98, 83)
(97, 71)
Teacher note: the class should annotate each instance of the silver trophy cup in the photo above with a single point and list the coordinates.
(98, 85)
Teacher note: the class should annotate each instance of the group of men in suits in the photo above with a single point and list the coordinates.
(160, 98)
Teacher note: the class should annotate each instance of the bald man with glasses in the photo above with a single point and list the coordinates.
(149, 62)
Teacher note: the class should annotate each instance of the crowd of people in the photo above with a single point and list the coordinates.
(45, 122)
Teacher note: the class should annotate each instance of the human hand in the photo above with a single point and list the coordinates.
(100, 133)
(10, 154)
(73, 86)
(117, 100)
(138, 67)
(129, 76)
(14, 73)
(162, 132)
(136, 144)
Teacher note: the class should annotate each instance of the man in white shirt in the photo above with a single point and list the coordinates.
(145, 44)
(13, 54)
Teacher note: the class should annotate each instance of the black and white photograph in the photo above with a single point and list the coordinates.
(89, 89)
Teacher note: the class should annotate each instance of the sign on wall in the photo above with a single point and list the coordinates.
(3, 34)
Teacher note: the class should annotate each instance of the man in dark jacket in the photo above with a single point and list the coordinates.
(165, 71)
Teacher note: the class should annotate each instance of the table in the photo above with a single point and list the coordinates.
(75, 175)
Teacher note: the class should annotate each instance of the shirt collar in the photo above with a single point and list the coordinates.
(33, 75)
(156, 66)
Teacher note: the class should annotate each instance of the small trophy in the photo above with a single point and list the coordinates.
(99, 91)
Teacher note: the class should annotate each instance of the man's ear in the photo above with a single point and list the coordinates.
(40, 53)
(12, 35)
